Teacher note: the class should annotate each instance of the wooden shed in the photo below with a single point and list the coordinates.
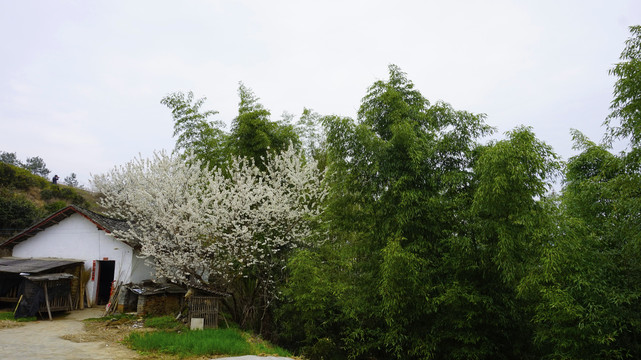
(40, 285)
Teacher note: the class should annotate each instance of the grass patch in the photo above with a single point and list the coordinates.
(202, 343)
(112, 317)
(9, 316)
(163, 323)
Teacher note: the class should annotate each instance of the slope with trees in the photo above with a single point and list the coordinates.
(26, 197)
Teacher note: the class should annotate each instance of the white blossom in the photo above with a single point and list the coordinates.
(200, 226)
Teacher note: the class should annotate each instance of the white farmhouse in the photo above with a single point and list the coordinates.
(76, 233)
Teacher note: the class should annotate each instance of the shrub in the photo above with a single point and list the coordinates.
(55, 206)
(63, 193)
(324, 349)
(16, 212)
(17, 178)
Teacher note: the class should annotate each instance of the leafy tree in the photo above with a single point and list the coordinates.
(626, 105)
(589, 276)
(430, 235)
(512, 175)
(253, 135)
(37, 166)
(310, 132)
(71, 180)
(195, 133)
(34, 164)
(231, 232)
(511, 224)
(10, 158)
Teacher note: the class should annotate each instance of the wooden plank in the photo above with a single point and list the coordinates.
(47, 300)
(8, 299)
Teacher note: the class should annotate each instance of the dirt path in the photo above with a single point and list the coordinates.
(42, 340)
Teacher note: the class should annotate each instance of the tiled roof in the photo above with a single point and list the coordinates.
(101, 221)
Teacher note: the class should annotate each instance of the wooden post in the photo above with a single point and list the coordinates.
(81, 290)
(47, 301)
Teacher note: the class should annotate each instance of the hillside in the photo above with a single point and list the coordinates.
(25, 198)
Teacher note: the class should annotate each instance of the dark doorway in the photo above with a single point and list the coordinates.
(105, 278)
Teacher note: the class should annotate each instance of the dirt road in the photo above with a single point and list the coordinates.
(42, 340)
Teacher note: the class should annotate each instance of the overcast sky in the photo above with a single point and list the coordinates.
(81, 81)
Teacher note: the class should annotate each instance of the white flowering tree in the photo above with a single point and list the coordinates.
(216, 230)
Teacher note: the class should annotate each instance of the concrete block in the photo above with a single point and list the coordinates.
(197, 323)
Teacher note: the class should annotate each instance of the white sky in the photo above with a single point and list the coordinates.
(81, 81)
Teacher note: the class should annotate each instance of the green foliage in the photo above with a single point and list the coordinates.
(25, 198)
(10, 316)
(512, 175)
(589, 280)
(54, 206)
(253, 135)
(10, 158)
(323, 349)
(52, 192)
(37, 166)
(310, 132)
(312, 322)
(162, 322)
(589, 275)
(626, 105)
(201, 343)
(195, 133)
(113, 317)
(71, 180)
(17, 178)
(410, 270)
(16, 212)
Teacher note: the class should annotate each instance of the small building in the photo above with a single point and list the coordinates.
(151, 298)
(76, 233)
(34, 286)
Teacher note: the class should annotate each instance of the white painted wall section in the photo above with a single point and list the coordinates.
(78, 238)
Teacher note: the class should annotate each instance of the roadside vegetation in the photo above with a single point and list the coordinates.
(164, 337)
(7, 320)
(202, 343)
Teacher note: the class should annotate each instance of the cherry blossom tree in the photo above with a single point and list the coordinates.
(212, 229)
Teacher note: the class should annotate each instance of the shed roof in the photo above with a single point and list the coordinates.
(49, 277)
(102, 222)
(33, 265)
(151, 288)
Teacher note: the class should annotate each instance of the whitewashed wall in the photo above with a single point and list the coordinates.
(78, 238)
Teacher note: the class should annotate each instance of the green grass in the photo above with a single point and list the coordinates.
(9, 316)
(163, 322)
(112, 317)
(201, 343)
